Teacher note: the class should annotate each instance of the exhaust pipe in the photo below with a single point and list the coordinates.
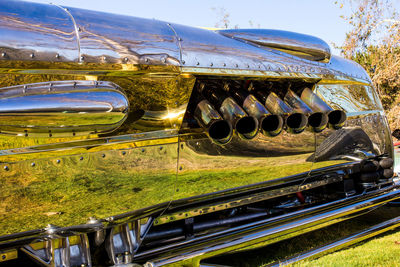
(336, 117)
(316, 120)
(270, 124)
(246, 127)
(295, 121)
(217, 129)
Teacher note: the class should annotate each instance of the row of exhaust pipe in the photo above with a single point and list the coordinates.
(231, 109)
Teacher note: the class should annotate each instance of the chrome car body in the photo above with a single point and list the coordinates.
(164, 144)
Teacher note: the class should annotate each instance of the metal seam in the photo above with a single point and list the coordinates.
(78, 39)
(179, 43)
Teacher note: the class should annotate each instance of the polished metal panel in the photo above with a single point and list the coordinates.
(36, 32)
(209, 52)
(62, 108)
(69, 189)
(301, 45)
(365, 132)
(153, 157)
(159, 109)
(109, 38)
(205, 167)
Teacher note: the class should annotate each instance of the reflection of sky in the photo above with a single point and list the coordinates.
(319, 18)
(64, 102)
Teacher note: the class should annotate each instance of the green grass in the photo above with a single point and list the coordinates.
(380, 251)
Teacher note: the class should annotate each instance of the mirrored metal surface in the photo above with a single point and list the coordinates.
(301, 45)
(365, 133)
(205, 167)
(62, 108)
(68, 190)
(36, 32)
(129, 40)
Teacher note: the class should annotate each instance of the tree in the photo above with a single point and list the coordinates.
(374, 42)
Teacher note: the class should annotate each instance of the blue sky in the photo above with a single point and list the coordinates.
(315, 17)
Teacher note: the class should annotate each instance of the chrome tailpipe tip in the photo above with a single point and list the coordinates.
(296, 122)
(271, 125)
(337, 119)
(318, 121)
(220, 132)
(246, 127)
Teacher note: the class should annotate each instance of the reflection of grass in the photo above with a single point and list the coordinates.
(70, 193)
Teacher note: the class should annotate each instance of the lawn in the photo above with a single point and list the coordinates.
(383, 250)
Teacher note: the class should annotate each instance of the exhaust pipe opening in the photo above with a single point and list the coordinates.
(318, 121)
(220, 132)
(247, 127)
(271, 125)
(297, 122)
(337, 118)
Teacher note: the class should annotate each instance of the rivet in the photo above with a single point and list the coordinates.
(181, 146)
(50, 134)
(161, 148)
(224, 64)
(147, 60)
(237, 66)
(211, 64)
(3, 54)
(259, 66)
(24, 89)
(104, 58)
(58, 161)
(82, 58)
(3, 257)
(198, 63)
(32, 55)
(103, 155)
(248, 66)
(81, 158)
(6, 168)
(125, 59)
(143, 150)
(183, 62)
(123, 153)
(180, 39)
(57, 56)
(79, 29)
(164, 60)
(33, 164)
(180, 168)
